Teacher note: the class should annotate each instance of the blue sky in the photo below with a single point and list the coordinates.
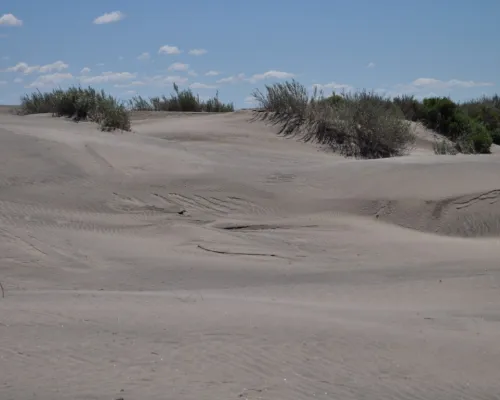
(446, 47)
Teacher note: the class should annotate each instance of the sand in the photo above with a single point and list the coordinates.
(205, 257)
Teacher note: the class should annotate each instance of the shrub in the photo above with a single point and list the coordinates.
(362, 124)
(410, 106)
(181, 101)
(444, 147)
(495, 136)
(480, 138)
(79, 104)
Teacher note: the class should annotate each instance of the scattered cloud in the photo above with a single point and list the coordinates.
(198, 52)
(108, 76)
(192, 73)
(121, 58)
(51, 79)
(57, 66)
(371, 65)
(130, 92)
(85, 71)
(161, 80)
(198, 85)
(18, 80)
(212, 73)
(169, 50)
(431, 83)
(272, 74)
(232, 79)
(3, 82)
(6, 58)
(130, 84)
(178, 67)
(144, 56)
(333, 86)
(108, 18)
(29, 69)
(10, 20)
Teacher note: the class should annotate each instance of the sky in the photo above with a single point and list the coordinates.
(129, 48)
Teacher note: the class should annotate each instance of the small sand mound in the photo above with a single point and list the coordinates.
(467, 216)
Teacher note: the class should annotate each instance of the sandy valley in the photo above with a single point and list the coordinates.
(205, 257)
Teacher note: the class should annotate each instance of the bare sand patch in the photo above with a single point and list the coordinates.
(205, 257)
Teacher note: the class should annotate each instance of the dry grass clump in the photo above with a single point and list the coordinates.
(361, 124)
(79, 104)
(181, 101)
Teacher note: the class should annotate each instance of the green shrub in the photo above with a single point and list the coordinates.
(480, 138)
(495, 136)
(79, 104)
(362, 124)
(181, 101)
(410, 106)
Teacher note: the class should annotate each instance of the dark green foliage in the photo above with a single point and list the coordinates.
(495, 136)
(362, 125)
(410, 106)
(181, 101)
(79, 104)
(480, 138)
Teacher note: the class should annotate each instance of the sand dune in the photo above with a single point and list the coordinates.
(203, 256)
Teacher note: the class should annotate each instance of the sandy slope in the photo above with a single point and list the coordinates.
(203, 257)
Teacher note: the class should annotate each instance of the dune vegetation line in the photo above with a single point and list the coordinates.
(360, 124)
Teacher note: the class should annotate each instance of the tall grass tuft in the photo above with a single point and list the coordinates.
(79, 104)
(361, 124)
(181, 101)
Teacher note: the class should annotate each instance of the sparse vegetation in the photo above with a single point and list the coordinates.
(182, 101)
(362, 124)
(79, 104)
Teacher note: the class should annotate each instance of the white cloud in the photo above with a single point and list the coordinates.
(371, 65)
(121, 58)
(85, 71)
(192, 73)
(130, 92)
(57, 66)
(50, 80)
(18, 80)
(6, 58)
(144, 56)
(431, 83)
(212, 73)
(100, 65)
(178, 67)
(3, 82)
(272, 74)
(169, 50)
(134, 83)
(198, 85)
(197, 52)
(28, 69)
(10, 20)
(107, 18)
(108, 77)
(232, 79)
(332, 86)
(160, 80)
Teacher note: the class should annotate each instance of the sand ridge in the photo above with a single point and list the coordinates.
(203, 256)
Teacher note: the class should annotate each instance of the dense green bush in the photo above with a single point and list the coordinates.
(410, 106)
(363, 124)
(79, 104)
(181, 101)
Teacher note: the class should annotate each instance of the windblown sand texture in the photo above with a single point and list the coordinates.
(205, 257)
